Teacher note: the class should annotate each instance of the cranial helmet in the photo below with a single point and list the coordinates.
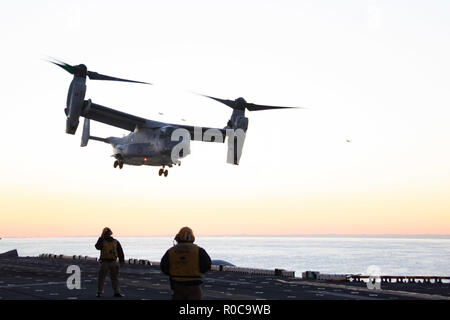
(185, 235)
(106, 231)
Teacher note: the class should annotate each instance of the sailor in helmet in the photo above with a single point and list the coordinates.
(184, 263)
(110, 250)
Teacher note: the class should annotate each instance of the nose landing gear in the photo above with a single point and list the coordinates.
(118, 163)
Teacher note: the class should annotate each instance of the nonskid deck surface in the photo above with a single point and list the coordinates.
(46, 279)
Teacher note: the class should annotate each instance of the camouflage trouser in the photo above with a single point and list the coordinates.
(184, 292)
(113, 268)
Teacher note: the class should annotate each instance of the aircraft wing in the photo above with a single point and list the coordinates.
(112, 117)
(129, 122)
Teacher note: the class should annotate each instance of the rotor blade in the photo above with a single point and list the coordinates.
(98, 76)
(91, 74)
(63, 65)
(258, 107)
(249, 106)
(229, 103)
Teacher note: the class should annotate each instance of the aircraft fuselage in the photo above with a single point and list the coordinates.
(146, 146)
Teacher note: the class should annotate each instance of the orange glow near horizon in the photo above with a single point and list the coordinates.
(44, 215)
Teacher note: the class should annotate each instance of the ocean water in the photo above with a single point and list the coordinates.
(393, 256)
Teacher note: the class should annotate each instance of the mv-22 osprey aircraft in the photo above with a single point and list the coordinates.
(150, 142)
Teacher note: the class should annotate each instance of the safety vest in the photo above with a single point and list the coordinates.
(184, 262)
(109, 250)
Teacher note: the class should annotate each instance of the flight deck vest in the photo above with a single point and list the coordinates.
(184, 262)
(109, 250)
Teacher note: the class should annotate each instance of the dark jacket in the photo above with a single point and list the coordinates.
(204, 263)
(99, 246)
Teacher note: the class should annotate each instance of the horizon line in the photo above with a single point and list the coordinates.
(380, 235)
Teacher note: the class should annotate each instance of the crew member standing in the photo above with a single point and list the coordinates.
(184, 263)
(110, 250)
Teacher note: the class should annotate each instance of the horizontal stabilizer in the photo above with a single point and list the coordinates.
(106, 140)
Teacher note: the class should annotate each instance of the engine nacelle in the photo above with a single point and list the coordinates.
(75, 101)
(238, 120)
(236, 131)
(241, 123)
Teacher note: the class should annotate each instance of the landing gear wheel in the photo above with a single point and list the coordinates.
(116, 163)
(166, 173)
(120, 165)
(161, 171)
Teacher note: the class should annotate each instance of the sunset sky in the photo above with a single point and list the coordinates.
(374, 72)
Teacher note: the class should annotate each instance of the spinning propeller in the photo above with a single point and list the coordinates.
(241, 104)
(81, 71)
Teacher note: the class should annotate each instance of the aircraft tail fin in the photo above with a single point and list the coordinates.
(86, 136)
(86, 132)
